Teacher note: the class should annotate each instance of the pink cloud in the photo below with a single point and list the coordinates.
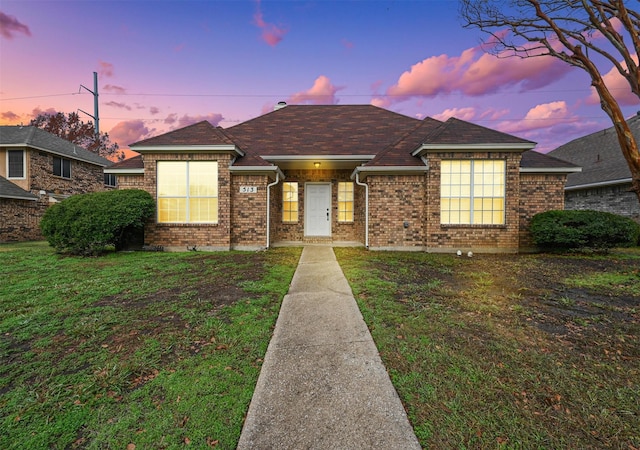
(271, 33)
(113, 88)
(180, 122)
(618, 86)
(9, 116)
(128, 132)
(472, 73)
(37, 111)
(467, 114)
(543, 116)
(347, 44)
(10, 27)
(119, 105)
(154, 110)
(105, 69)
(321, 93)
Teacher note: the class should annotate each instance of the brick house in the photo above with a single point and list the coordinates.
(605, 181)
(38, 168)
(343, 174)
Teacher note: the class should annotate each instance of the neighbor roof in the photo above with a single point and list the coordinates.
(600, 157)
(10, 190)
(39, 139)
(201, 133)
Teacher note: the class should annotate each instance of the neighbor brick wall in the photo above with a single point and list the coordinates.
(183, 236)
(394, 200)
(131, 181)
(538, 193)
(489, 238)
(249, 212)
(21, 218)
(617, 199)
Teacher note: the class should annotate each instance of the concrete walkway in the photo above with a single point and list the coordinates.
(322, 384)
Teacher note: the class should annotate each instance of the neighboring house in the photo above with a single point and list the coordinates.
(605, 181)
(38, 168)
(337, 174)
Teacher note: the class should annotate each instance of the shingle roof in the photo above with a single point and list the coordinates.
(535, 160)
(34, 137)
(201, 133)
(321, 130)
(456, 131)
(399, 153)
(599, 155)
(10, 190)
(135, 162)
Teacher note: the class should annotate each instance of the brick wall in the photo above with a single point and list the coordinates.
(185, 236)
(249, 212)
(487, 238)
(617, 199)
(20, 218)
(538, 193)
(396, 211)
(131, 181)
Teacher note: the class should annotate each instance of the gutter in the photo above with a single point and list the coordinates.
(269, 206)
(366, 209)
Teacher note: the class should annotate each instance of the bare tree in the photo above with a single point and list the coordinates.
(569, 30)
(78, 132)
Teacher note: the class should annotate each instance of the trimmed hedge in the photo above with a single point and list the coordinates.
(583, 229)
(89, 224)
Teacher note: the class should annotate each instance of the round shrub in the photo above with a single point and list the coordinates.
(584, 229)
(88, 224)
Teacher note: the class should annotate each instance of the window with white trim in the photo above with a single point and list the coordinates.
(345, 201)
(187, 191)
(290, 201)
(16, 164)
(472, 192)
(110, 180)
(61, 167)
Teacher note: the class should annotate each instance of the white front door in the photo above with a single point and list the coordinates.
(317, 209)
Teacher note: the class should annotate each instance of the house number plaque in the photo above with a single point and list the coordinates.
(248, 189)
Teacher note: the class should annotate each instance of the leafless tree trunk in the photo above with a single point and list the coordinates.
(569, 30)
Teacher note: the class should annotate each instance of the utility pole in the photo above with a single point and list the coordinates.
(96, 117)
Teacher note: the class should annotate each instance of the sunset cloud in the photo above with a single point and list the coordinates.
(540, 116)
(467, 114)
(9, 117)
(272, 34)
(179, 122)
(128, 132)
(472, 73)
(119, 105)
(10, 27)
(105, 69)
(114, 89)
(321, 93)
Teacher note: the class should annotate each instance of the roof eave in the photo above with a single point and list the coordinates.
(317, 157)
(598, 184)
(388, 170)
(515, 147)
(257, 170)
(53, 152)
(19, 197)
(125, 171)
(221, 148)
(550, 169)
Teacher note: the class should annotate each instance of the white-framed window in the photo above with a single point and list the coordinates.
(472, 192)
(187, 191)
(345, 201)
(16, 164)
(110, 179)
(290, 201)
(61, 167)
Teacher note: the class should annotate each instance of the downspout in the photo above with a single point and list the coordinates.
(269, 207)
(366, 209)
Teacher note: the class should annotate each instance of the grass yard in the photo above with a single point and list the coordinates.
(133, 350)
(508, 351)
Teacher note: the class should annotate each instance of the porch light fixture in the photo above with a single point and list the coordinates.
(316, 164)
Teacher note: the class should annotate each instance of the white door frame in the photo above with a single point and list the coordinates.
(311, 214)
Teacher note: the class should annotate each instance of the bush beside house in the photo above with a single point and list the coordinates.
(88, 224)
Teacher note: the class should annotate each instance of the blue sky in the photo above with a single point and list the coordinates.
(166, 64)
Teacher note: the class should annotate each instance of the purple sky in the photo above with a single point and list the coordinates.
(166, 64)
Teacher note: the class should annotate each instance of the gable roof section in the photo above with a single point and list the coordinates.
(39, 139)
(459, 135)
(132, 165)
(201, 136)
(10, 190)
(600, 157)
(321, 130)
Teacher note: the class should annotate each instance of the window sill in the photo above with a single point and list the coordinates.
(186, 225)
(456, 225)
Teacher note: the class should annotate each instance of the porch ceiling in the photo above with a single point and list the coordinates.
(327, 162)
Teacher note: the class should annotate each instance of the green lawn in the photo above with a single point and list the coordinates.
(152, 350)
(508, 351)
